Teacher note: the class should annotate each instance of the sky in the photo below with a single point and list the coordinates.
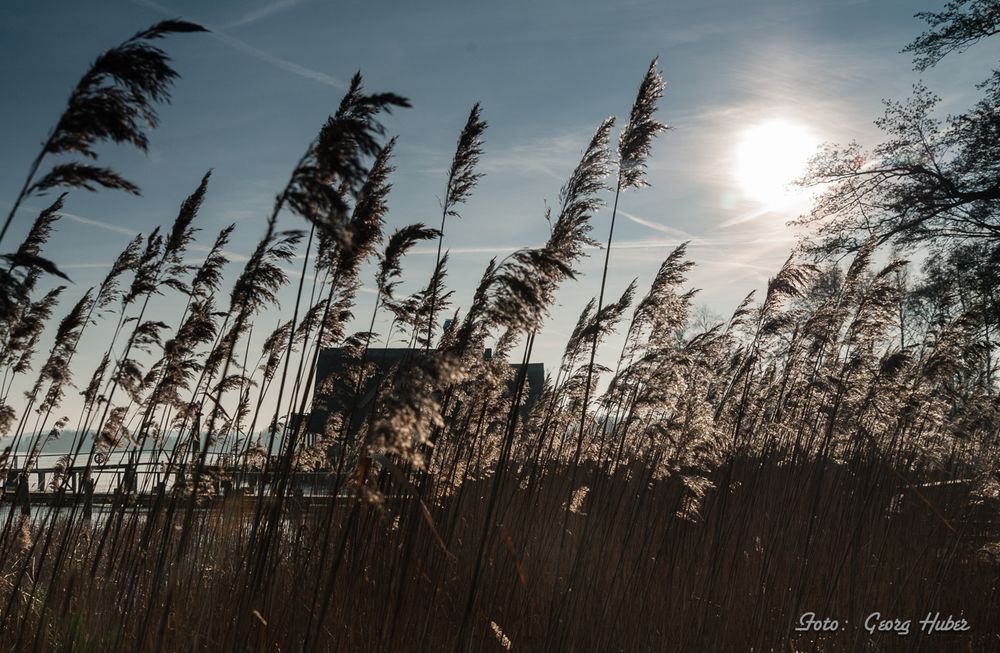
(749, 85)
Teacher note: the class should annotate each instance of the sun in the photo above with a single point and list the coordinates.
(770, 157)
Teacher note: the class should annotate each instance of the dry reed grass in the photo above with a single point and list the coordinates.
(728, 479)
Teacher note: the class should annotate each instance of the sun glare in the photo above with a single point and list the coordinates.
(771, 156)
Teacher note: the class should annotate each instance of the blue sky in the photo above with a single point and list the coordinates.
(255, 92)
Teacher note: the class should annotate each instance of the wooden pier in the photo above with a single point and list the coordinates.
(139, 482)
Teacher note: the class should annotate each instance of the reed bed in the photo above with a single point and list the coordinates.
(827, 449)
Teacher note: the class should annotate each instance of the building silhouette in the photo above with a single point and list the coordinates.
(332, 394)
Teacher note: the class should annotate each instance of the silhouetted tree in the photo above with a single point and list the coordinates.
(933, 180)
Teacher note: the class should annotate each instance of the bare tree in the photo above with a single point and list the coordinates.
(932, 180)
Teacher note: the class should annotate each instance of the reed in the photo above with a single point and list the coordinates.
(830, 448)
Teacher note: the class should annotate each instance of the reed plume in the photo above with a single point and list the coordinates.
(56, 371)
(181, 235)
(634, 147)
(208, 277)
(263, 275)
(23, 338)
(391, 260)
(418, 309)
(113, 101)
(334, 162)
(635, 141)
(462, 179)
(181, 362)
(364, 230)
(125, 261)
(26, 264)
(525, 282)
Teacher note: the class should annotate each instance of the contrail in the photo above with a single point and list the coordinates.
(263, 12)
(83, 266)
(107, 226)
(656, 226)
(257, 53)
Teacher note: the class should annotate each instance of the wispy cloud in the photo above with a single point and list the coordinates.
(107, 226)
(90, 222)
(253, 51)
(748, 216)
(662, 228)
(508, 249)
(84, 266)
(552, 156)
(501, 249)
(265, 10)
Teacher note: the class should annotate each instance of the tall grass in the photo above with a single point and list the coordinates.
(727, 480)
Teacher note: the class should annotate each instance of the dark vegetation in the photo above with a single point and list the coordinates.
(831, 447)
